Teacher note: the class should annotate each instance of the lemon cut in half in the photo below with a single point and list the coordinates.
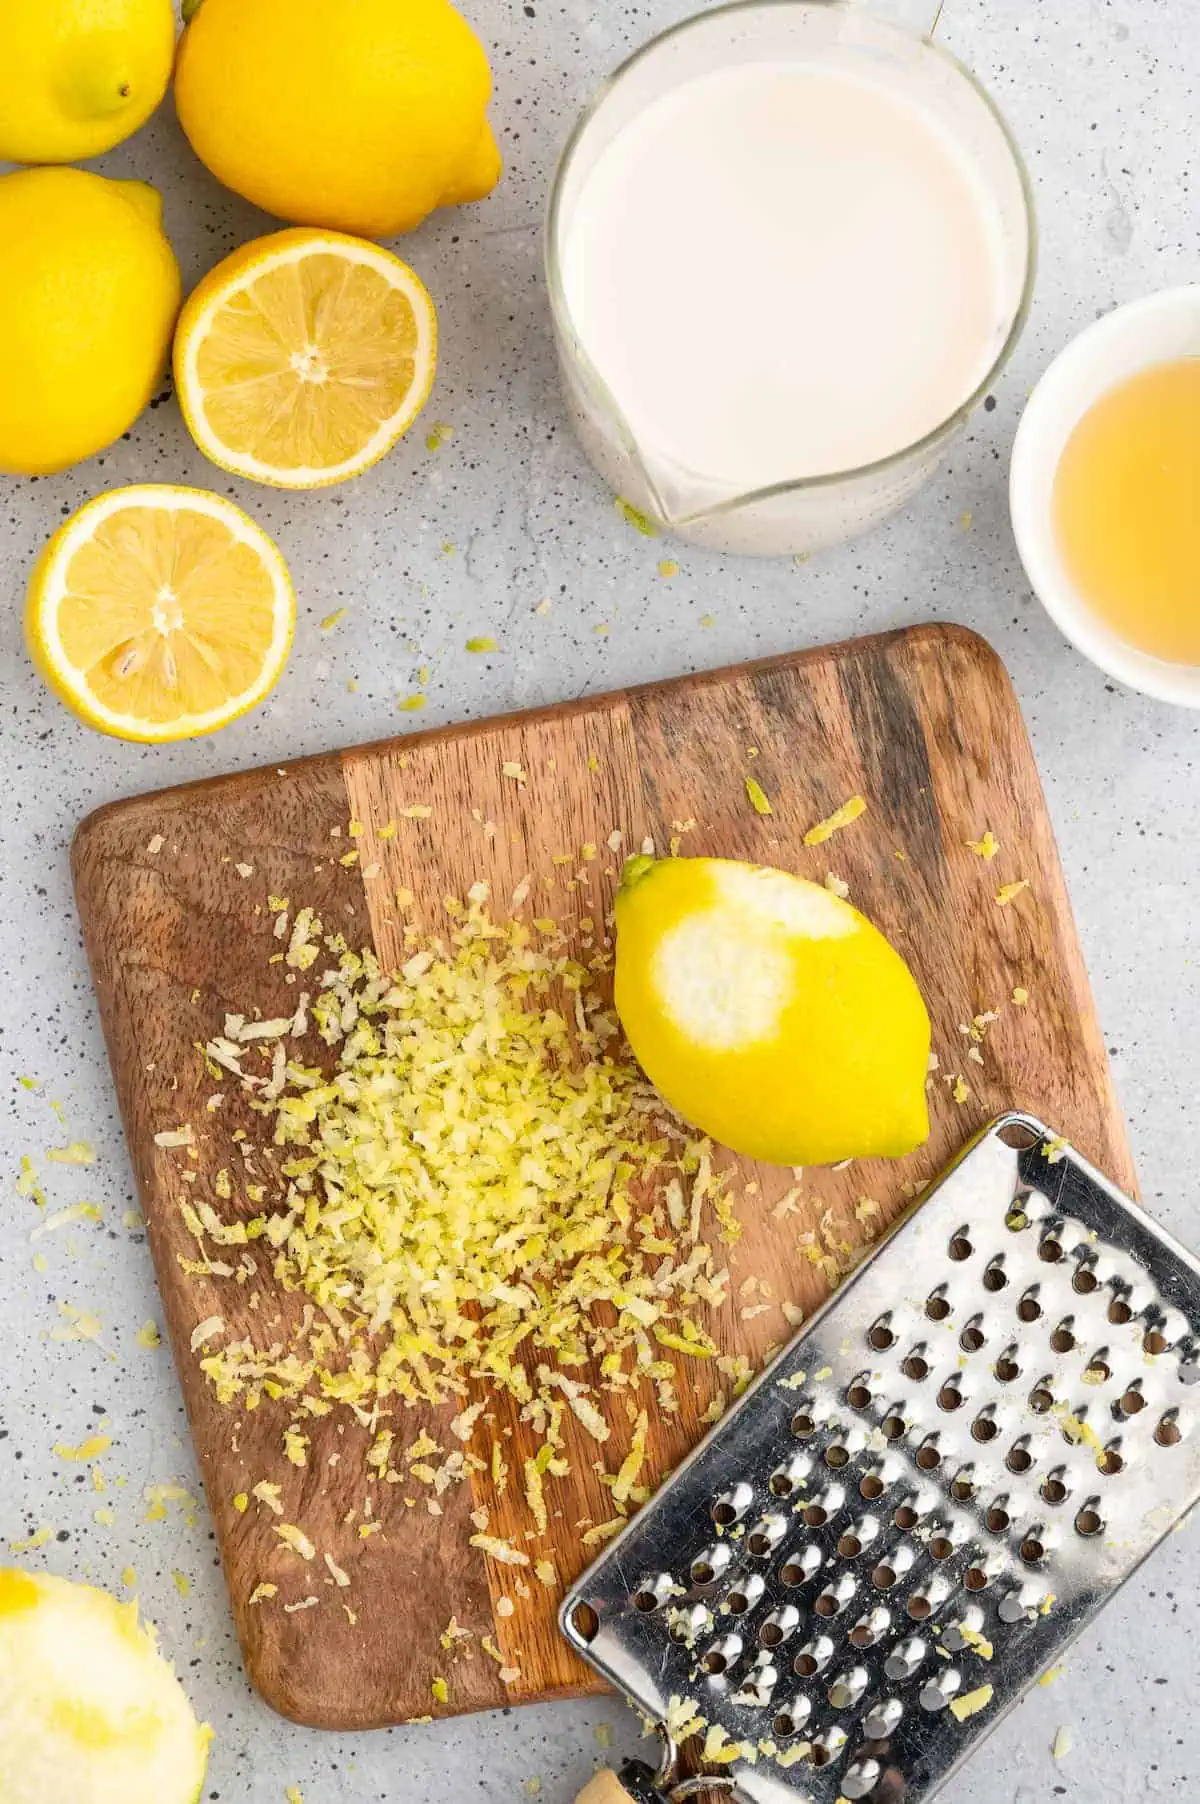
(160, 613)
(301, 359)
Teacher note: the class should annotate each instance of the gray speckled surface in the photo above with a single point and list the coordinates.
(1104, 99)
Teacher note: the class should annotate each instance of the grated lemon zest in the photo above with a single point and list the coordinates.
(841, 817)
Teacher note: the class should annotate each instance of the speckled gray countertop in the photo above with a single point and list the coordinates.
(430, 548)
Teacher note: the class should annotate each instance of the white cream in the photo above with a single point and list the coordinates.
(784, 270)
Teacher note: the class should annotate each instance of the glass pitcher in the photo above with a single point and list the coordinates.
(803, 514)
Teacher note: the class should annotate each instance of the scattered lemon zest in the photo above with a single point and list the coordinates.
(1010, 891)
(985, 847)
(841, 817)
(758, 797)
(634, 517)
(971, 1702)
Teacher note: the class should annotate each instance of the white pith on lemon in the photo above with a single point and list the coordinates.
(160, 613)
(90, 1711)
(769, 1013)
(302, 358)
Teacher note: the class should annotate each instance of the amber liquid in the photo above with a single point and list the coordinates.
(1127, 509)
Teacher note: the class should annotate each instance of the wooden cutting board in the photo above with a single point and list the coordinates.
(173, 893)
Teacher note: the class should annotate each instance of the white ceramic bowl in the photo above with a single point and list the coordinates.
(1154, 330)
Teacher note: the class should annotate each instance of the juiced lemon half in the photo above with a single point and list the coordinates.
(89, 1710)
(770, 1013)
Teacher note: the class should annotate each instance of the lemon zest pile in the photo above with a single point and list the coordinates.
(476, 1184)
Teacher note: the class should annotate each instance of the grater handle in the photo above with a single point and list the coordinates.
(605, 1788)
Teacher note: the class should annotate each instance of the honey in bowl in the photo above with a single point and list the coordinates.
(1127, 510)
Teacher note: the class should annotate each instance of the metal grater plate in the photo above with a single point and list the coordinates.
(929, 1493)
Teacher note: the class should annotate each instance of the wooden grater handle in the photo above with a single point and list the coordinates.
(605, 1788)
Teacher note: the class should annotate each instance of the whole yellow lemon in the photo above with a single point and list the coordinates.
(89, 1709)
(362, 115)
(77, 76)
(769, 1013)
(89, 291)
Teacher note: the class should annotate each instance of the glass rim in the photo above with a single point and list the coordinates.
(565, 325)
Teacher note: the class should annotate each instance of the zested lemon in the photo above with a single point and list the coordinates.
(770, 1013)
(301, 359)
(160, 613)
(89, 1709)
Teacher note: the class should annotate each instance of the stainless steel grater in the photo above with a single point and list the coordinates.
(923, 1500)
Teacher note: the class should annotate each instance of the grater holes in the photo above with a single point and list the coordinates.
(859, 1535)
(997, 1518)
(732, 1505)
(742, 1599)
(779, 1626)
(1019, 1459)
(835, 1597)
(1154, 1342)
(960, 1247)
(906, 1518)
(804, 1423)
(1041, 1397)
(689, 1623)
(936, 1694)
(1189, 1367)
(1033, 1547)
(1119, 1311)
(846, 1690)
(915, 1367)
(858, 1396)
(872, 1485)
(708, 1566)
(1054, 1487)
(1015, 1218)
(929, 1456)
(1062, 1338)
(870, 1627)
(765, 1537)
(972, 1336)
(1168, 1432)
(1029, 1307)
(651, 1593)
(825, 1504)
(995, 1277)
(813, 1657)
(1007, 1367)
(985, 1427)
(950, 1397)
(977, 1578)
(792, 1718)
(790, 1477)
(717, 1659)
(861, 1778)
(1110, 1462)
(880, 1335)
(1050, 1249)
(937, 1304)
(837, 1456)
(962, 1486)
(893, 1427)
(906, 1659)
(891, 1570)
(1097, 1370)
(1132, 1403)
(883, 1719)
(1089, 1521)
(1085, 1281)
(799, 1567)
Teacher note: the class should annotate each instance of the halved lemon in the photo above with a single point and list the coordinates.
(303, 357)
(160, 613)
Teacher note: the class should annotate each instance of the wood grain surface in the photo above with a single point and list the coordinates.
(922, 723)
